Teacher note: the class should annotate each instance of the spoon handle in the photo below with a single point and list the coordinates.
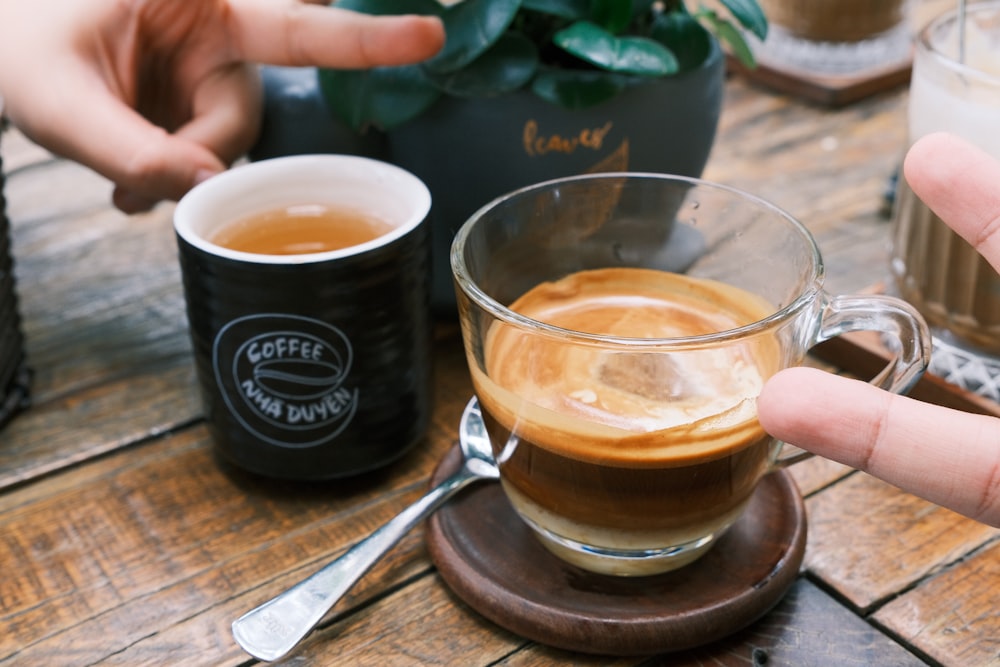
(275, 627)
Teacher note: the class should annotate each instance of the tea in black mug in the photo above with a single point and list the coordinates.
(306, 282)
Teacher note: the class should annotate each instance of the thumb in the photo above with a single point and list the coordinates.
(101, 131)
(165, 169)
(948, 457)
(226, 118)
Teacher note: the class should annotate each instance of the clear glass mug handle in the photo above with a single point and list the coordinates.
(884, 314)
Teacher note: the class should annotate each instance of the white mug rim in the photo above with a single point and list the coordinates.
(219, 189)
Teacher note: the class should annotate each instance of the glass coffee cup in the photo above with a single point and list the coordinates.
(618, 329)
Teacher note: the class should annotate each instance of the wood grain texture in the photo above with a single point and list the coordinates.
(808, 628)
(868, 540)
(799, 632)
(952, 617)
(133, 553)
(125, 541)
(421, 624)
(829, 170)
(124, 549)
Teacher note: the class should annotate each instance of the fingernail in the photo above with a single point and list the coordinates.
(130, 202)
(203, 175)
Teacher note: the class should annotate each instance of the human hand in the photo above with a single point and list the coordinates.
(158, 95)
(949, 457)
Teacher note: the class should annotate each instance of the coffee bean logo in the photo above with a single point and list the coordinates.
(285, 378)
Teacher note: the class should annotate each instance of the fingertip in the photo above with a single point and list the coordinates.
(783, 394)
(130, 201)
(926, 152)
(166, 171)
(932, 143)
(434, 34)
(413, 38)
(203, 175)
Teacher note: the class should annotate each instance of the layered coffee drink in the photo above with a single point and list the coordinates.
(631, 459)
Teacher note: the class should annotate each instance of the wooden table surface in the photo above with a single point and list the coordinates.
(123, 540)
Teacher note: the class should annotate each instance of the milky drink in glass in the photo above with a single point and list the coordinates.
(955, 289)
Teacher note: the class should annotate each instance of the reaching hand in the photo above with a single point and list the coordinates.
(946, 456)
(157, 95)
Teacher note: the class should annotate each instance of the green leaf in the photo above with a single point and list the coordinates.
(384, 97)
(577, 89)
(640, 7)
(567, 9)
(685, 37)
(749, 14)
(471, 27)
(731, 35)
(506, 67)
(627, 55)
(612, 15)
(393, 7)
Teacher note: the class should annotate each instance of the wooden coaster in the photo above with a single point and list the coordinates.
(829, 90)
(492, 561)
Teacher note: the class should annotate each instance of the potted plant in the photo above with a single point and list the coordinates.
(524, 91)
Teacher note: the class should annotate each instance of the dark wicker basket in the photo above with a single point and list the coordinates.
(15, 377)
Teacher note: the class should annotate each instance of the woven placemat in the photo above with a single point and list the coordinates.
(969, 370)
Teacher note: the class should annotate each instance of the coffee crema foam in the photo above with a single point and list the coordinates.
(632, 409)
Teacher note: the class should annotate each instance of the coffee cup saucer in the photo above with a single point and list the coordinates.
(491, 560)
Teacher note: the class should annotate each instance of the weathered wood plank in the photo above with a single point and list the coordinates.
(422, 624)
(96, 420)
(798, 631)
(807, 628)
(817, 473)
(19, 152)
(953, 617)
(829, 169)
(868, 540)
(100, 292)
(103, 318)
(117, 552)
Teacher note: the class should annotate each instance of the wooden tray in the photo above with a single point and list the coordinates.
(828, 90)
(863, 355)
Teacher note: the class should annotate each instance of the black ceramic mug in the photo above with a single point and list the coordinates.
(318, 365)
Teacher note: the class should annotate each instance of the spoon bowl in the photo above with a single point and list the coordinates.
(271, 630)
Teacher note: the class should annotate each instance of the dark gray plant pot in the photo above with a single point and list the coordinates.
(297, 120)
(470, 151)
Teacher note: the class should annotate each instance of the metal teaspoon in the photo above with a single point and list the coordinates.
(275, 627)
